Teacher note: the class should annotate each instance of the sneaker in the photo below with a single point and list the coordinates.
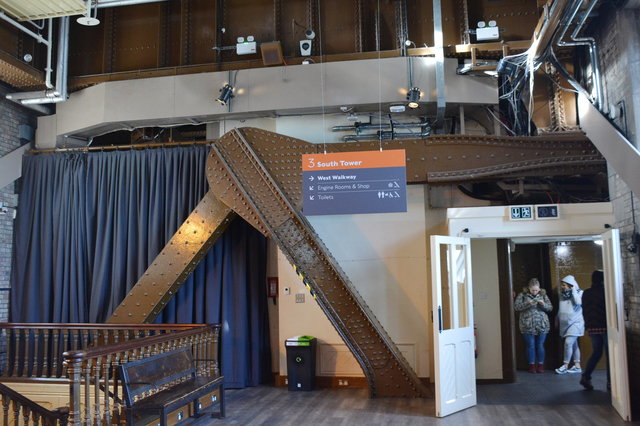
(562, 370)
(532, 368)
(586, 384)
(574, 369)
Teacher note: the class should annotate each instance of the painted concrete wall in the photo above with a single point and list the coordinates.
(486, 308)
(385, 257)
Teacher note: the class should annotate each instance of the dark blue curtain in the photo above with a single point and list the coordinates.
(88, 226)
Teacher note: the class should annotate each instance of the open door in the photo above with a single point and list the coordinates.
(615, 323)
(452, 312)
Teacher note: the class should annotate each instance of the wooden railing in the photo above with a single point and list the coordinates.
(31, 351)
(95, 391)
(17, 409)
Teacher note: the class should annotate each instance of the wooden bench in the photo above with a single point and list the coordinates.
(155, 386)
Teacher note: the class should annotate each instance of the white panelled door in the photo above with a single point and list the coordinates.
(452, 309)
(612, 263)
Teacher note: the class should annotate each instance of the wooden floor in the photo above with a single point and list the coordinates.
(537, 399)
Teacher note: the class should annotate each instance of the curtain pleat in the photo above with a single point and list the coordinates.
(88, 226)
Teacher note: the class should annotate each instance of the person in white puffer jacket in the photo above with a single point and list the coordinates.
(570, 323)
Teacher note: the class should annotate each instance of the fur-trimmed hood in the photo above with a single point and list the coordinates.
(542, 293)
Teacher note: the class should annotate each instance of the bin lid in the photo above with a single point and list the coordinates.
(299, 341)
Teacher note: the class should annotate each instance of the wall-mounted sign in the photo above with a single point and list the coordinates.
(521, 212)
(354, 182)
(538, 212)
(547, 211)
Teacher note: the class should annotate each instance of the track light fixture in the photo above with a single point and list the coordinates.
(226, 93)
(413, 96)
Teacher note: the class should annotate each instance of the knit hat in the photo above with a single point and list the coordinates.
(569, 279)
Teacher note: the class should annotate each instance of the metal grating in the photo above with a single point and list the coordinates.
(27, 10)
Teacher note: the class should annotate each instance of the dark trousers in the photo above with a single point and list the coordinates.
(599, 344)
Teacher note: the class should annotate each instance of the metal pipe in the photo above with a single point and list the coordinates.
(378, 126)
(410, 71)
(584, 41)
(113, 3)
(438, 41)
(59, 92)
(63, 58)
(376, 29)
(21, 27)
(374, 136)
(48, 69)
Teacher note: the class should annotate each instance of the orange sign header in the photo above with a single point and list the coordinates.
(353, 160)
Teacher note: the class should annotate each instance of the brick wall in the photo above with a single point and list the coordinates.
(12, 116)
(619, 41)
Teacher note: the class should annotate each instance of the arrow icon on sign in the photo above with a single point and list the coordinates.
(311, 178)
(311, 188)
(311, 197)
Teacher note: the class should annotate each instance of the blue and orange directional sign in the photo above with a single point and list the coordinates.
(354, 182)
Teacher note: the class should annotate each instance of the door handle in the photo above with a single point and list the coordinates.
(440, 319)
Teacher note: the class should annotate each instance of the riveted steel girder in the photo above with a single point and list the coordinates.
(175, 263)
(387, 371)
(258, 175)
(436, 159)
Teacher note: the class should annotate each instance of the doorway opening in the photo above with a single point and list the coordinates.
(549, 261)
(495, 235)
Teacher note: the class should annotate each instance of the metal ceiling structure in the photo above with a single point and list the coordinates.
(30, 10)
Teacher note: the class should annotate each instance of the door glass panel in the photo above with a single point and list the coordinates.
(461, 285)
(446, 291)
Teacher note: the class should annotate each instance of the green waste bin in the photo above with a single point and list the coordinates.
(301, 363)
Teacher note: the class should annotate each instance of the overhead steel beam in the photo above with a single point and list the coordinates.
(547, 27)
(614, 146)
(116, 3)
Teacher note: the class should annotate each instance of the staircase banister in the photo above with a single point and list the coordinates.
(72, 357)
(58, 413)
(93, 326)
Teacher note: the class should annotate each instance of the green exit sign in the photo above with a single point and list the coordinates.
(521, 212)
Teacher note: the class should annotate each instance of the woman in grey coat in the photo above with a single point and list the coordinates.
(533, 305)
(570, 323)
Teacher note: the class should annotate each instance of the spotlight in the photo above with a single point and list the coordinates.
(413, 96)
(226, 93)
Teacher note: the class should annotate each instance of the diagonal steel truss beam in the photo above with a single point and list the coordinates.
(175, 263)
(258, 175)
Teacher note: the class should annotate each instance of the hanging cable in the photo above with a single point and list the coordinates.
(379, 80)
(322, 65)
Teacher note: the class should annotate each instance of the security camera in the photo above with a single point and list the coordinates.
(305, 47)
(309, 34)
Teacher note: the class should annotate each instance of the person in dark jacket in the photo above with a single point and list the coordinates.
(595, 318)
